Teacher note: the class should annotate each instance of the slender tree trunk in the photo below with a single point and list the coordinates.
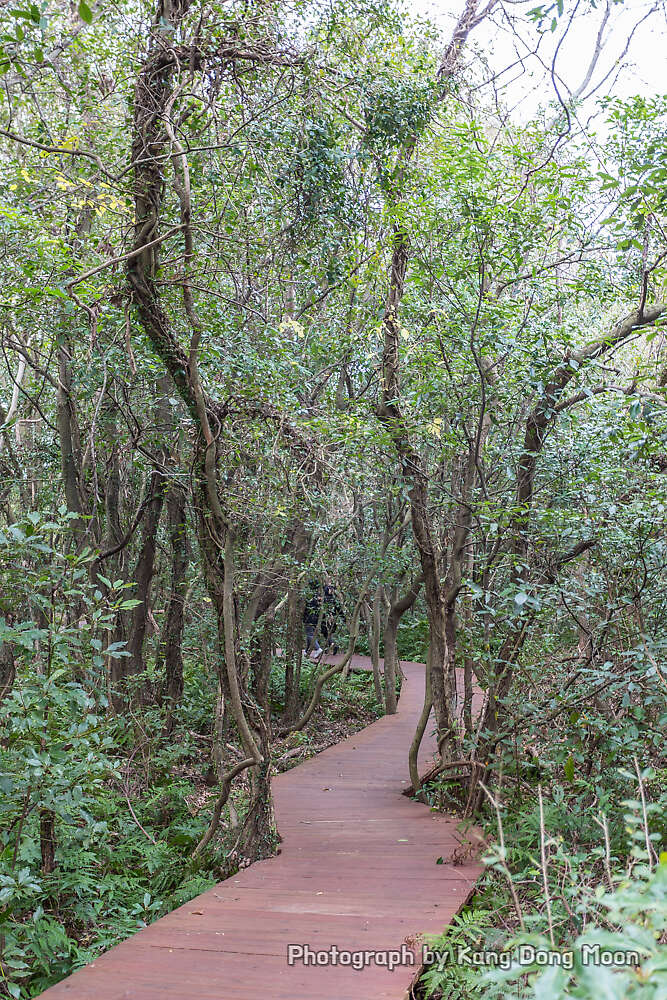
(112, 486)
(396, 611)
(468, 670)
(132, 665)
(68, 434)
(47, 840)
(219, 726)
(373, 625)
(172, 634)
(7, 670)
(66, 412)
(413, 753)
(258, 836)
(391, 667)
(293, 655)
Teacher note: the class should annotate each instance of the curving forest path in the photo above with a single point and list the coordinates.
(357, 869)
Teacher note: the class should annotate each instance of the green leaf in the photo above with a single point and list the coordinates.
(568, 768)
(85, 13)
(27, 15)
(56, 674)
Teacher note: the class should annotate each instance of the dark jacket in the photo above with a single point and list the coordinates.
(332, 608)
(311, 611)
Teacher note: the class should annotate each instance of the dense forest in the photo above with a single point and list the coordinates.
(295, 293)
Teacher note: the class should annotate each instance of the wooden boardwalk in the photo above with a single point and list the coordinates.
(357, 870)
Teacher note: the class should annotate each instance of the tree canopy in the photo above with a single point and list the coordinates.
(292, 294)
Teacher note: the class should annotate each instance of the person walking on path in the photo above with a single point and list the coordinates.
(311, 618)
(331, 614)
(321, 613)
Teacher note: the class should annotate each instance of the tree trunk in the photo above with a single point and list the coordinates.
(373, 624)
(391, 666)
(412, 468)
(7, 670)
(258, 836)
(47, 840)
(293, 656)
(443, 687)
(132, 665)
(219, 728)
(172, 633)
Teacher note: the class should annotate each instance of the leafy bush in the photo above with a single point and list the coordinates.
(565, 900)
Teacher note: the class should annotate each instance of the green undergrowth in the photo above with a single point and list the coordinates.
(128, 806)
(575, 878)
(119, 797)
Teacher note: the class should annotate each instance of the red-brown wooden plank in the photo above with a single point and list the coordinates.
(357, 869)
